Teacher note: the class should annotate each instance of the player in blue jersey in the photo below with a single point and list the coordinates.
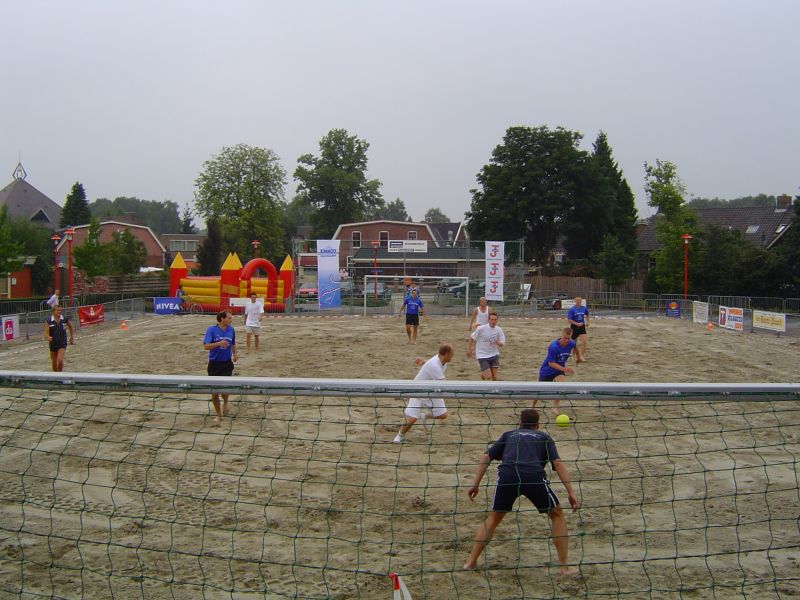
(220, 341)
(524, 454)
(554, 366)
(414, 307)
(578, 317)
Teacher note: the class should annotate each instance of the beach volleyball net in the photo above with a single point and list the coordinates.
(121, 486)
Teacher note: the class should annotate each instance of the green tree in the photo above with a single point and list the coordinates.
(391, 211)
(187, 221)
(161, 217)
(665, 192)
(35, 241)
(209, 254)
(435, 215)
(126, 254)
(741, 202)
(76, 210)
(91, 257)
(788, 251)
(242, 187)
(529, 188)
(623, 215)
(614, 263)
(11, 249)
(335, 182)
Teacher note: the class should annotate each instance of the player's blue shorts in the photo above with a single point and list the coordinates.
(507, 491)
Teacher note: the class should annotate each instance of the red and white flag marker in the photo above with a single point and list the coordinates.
(399, 589)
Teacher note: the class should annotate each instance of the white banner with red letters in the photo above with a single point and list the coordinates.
(495, 258)
(90, 315)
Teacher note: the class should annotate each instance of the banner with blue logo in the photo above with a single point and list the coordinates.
(328, 280)
(166, 306)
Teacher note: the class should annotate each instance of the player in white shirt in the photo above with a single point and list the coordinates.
(432, 370)
(484, 344)
(252, 319)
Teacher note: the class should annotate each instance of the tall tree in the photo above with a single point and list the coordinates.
(242, 187)
(391, 211)
(161, 217)
(623, 210)
(10, 248)
(126, 253)
(666, 192)
(91, 257)
(613, 261)
(529, 188)
(187, 221)
(76, 209)
(788, 248)
(35, 241)
(209, 254)
(435, 215)
(335, 182)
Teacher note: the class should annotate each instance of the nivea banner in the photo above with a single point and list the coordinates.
(166, 306)
(328, 281)
(495, 257)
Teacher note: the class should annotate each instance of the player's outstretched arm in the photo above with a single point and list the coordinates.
(479, 473)
(563, 475)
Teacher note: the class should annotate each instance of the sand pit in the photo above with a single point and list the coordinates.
(141, 496)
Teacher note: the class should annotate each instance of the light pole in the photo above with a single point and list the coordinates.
(56, 238)
(69, 233)
(685, 237)
(255, 244)
(375, 246)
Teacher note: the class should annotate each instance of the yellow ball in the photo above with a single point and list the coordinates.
(562, 421)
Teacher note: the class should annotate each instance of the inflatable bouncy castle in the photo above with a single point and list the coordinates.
(234, 281)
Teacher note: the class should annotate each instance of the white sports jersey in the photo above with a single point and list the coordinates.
(252, 310)
(485, 337)
(482, 318)
(431, 370)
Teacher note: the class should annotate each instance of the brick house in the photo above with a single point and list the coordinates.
(155, 249)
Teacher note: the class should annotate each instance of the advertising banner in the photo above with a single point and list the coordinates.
(10, 328)
(408, 246)
(731, 318)
(674, 309)
(166, 306)
(328, 282)
(769, 320)
(700, 312)
(495, 258)
(91, 315)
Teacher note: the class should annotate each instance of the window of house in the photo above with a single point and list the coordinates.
(384, 239)
(183, 245)
(780, 228)
(356, 239)
(752, 229)
(412, 235)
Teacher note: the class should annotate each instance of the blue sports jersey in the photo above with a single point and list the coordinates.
(558, 354)
(215, 334)
(578, 314)
(524, 454)
(412, 305)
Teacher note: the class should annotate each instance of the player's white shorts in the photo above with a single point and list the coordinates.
(254, 329)
(416, 405)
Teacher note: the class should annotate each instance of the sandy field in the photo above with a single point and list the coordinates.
(141, 495)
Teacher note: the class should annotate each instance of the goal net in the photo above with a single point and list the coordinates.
(441, 295)
(122, 486)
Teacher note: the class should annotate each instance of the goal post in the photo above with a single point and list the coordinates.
(382, 286)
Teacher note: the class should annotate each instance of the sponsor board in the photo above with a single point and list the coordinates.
(408, 246)
(10, 328)
(166, 306)
(673, 309)
(731, 318)
(769, 320)
(495, 258)
(328, 283)
(91, 315)
(567, 303)
(700, 312)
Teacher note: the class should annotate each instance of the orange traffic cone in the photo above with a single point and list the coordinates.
(124, 326)
(710, 326)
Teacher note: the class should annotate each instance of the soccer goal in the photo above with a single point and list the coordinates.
(120, 485)
(436, 292)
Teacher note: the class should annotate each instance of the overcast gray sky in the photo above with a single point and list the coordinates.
(130, 98)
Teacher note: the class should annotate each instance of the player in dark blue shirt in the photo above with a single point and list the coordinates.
(524, 454)
(554, 366)
(413, 306)
(220, 341)
(578, 317)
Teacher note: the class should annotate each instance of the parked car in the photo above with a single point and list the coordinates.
(444, 284)
(307, 292)
(476, 289)
(553, 302)
(384, 293)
